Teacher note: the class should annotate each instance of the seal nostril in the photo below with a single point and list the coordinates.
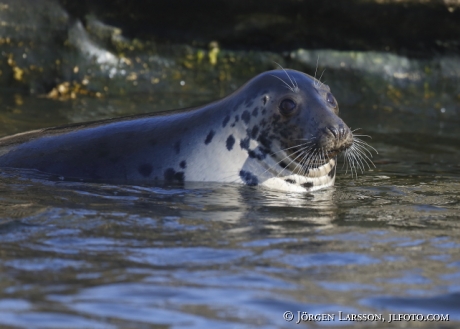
(341, 132)
(333, 131)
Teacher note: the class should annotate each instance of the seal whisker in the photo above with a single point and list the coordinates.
(313, 157)
(360, 158)
(286, 84)
(362, 147)
(346, 162)
(351, 161)
(306, 161)
(358, 155)
(300, 145)
(301, 150)
(365, 161)
(305, 153)
(354, 135)
(357, 159)
(361, 150)
(300, 165)
(307, 140)
(364, 144)
(322, 83)
(295, 87)
(316, 84)
(302, 169)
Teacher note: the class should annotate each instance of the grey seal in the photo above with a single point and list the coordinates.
(280, 130)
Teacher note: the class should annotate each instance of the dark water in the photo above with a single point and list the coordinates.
(79, 255)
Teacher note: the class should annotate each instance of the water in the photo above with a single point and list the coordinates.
(80, 255)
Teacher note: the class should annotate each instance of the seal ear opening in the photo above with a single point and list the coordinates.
(288, 107)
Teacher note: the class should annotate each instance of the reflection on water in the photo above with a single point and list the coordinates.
(87, 255)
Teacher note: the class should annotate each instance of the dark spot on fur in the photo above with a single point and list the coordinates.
(264, 111)
(244, 144)
(290, 181)
(226, 120)
(171, 175)
(264, 140)
(249, 178)
(177, 147)
(179, 176)
(246, 117)
(237, 118)
(332, 172)
(183, 164)
(283, 164)
(255, 112)
(230, 142)
(307, 184)
(258, 153)
(262, 153)
(145, 169)
(254, 132)
(263, 150)
(209, 137)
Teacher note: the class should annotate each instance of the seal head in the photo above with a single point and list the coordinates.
(294, 132)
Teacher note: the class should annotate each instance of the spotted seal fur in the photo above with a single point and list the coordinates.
(280, 130)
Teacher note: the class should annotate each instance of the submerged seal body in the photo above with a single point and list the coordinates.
(280, 130)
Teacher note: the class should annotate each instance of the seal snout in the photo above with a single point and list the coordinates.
(335, 139)
(338, 132)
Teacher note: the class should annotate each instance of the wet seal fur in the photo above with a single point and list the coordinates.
(280, 130)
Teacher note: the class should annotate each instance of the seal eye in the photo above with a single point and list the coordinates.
(287, 107)
(331, 100)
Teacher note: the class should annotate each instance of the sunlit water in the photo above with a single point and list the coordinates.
(81, 255)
